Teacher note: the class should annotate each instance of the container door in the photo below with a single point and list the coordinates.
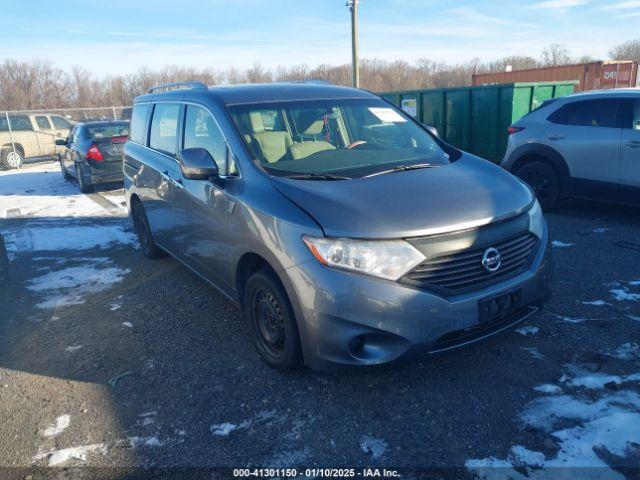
(586, 135)
(630, 148)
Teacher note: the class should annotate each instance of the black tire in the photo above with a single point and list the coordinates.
(84, 187)
(65, 174)
(143, 230)
(544, 181)
(11, 159)
(274, 330)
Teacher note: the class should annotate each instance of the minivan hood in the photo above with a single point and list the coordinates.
(463, 194)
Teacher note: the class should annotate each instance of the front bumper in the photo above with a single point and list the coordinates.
(350, 319)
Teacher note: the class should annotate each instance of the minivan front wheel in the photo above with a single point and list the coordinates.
(143, 231)
(273, 326)
(544, 181)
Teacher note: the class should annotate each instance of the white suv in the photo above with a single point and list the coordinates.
(583, 145)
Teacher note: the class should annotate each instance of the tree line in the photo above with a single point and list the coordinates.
(39, 84)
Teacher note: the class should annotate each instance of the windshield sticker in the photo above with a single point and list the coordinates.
(387, 114)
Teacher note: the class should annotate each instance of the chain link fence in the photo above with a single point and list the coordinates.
(29, 136)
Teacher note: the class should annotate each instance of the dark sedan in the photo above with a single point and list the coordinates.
(94, 153)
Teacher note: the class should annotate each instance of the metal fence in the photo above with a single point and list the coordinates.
(29, 136)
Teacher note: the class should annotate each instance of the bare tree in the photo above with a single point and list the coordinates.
(626, 51)
(555, 54)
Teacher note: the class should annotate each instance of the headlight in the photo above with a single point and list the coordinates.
(536, 220)
(389, 259)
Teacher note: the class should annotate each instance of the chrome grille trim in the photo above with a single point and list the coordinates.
(462, 270)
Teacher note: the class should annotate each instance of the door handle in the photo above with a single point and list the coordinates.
(555, 136)
(633, 144)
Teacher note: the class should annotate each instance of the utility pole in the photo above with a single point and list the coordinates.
(353, 6)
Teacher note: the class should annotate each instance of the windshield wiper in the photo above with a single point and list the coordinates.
(317, 176)
(401, 168)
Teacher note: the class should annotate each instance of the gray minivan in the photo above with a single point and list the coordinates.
(348, 233)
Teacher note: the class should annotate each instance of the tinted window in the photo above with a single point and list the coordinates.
(629, 114)
(138, 123)
(164, 127)
(590, 113)
(108, 130)
(18, 123)
(201, 130)
(60, 122)
(43, 122)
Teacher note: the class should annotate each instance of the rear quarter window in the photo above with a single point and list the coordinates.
(138, 125)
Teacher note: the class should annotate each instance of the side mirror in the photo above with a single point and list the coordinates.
(431, 128)
(197, 164)
(61, 142)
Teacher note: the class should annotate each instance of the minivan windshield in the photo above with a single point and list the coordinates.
(334, 139)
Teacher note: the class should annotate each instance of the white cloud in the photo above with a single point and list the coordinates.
(626, 5)
(557, 4)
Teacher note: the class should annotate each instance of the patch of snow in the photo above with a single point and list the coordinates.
(58, 457)
(559, 244)
(596, 303)
(533, 352)
(548, 388)
(40, 191)
(523, 456)
(223, 429)
(635, 318)
(622, 294)
(611, 422)
(375, 446)
(144, 442)
(114, 306)
(601, 230)
(60, 425)
(73, 348)
(528, 330)
(69, 285)
(127, 324)
(626, 351)
(69, 237)
(571, 319)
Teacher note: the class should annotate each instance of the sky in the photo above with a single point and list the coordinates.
(120, 36)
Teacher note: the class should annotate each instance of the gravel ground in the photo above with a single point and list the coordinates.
(109, 359)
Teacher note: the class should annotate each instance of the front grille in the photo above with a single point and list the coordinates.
(462, 270)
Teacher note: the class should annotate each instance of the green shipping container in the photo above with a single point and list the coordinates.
(475, 119)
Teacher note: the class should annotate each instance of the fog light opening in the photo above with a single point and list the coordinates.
(356, 346)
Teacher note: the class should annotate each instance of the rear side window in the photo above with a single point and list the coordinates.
(43, 122)
(588, 113)
(164, 128)
(138, 123)
(60, 122)
(19, 123)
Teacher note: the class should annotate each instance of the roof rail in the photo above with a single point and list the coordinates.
(179, 86)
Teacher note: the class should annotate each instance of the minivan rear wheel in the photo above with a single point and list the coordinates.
(273, 326)
(544, 181)
(143, 230)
